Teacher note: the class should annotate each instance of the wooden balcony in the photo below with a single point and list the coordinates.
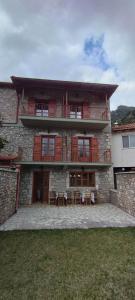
(85, 157)
(68, 116)
(91, 155)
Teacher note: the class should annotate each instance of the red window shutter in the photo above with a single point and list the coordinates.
(86, 110)
(31, 106)
(58, 148)
(94, 150)
(52, 108)
(37, 148)
(74, 148)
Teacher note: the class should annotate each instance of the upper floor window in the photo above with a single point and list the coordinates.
(128, 141)
(83, 147)
(42, 109)
(75, 111)
(48, 146)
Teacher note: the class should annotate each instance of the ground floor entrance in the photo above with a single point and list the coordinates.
(64, 185)
(40, 186)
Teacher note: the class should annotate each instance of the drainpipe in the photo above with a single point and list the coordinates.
(18, 167)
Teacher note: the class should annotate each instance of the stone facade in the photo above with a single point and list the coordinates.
(105, 183)
(26, 181)
(124, 196)
(8, 185)
(20, 137)
(8, 105)
(59, 181)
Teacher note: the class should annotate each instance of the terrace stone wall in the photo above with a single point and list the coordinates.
(105, 184)
(26, 180)
(124, 196)
(114, 197)
(8, 184)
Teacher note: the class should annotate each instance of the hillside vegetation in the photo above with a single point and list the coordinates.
(123, 114)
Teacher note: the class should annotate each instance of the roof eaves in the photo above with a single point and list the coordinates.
(21, 81)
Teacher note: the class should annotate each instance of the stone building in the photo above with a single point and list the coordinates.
(61, 133)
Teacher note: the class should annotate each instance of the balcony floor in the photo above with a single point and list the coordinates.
(67, 164)
(35, 121)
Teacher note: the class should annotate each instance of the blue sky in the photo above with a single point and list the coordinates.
(80, 40)
(94, 49)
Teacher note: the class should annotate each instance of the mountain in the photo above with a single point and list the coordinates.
(123, 114)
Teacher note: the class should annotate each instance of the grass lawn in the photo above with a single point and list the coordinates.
(68, 264)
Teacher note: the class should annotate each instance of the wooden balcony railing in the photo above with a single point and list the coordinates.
(71, 111)
(86, 154)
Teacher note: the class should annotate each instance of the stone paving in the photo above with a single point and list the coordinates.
(50, 217)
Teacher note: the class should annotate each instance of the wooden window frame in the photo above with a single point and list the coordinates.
(81, 181)
(43, 104)
(86, 148)
(78, 108)
(48, 146)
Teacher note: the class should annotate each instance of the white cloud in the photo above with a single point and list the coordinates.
(46, 39)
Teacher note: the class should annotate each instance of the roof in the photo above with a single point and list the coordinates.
(4, 84)
(22, 82)
(125, 127)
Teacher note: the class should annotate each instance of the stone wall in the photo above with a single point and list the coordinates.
(8, 105)
(124, 197)
(18, 137)
(59, 180)
(8, 183)
(105, 183)
(23, 137)
(26, 179)
(114, 197)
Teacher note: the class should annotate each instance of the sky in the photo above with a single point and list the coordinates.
(78, 40)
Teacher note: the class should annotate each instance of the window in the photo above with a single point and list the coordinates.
(82, 179)
(41, 109)
(125, 140)
(75, 111)
(84, 147)
(132, 140)
(128, 141)
(48, 146)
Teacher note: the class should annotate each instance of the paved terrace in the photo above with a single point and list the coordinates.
(50, 217)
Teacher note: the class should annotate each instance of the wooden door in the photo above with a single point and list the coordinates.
(41, 186)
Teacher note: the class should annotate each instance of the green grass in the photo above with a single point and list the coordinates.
(68, 264)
